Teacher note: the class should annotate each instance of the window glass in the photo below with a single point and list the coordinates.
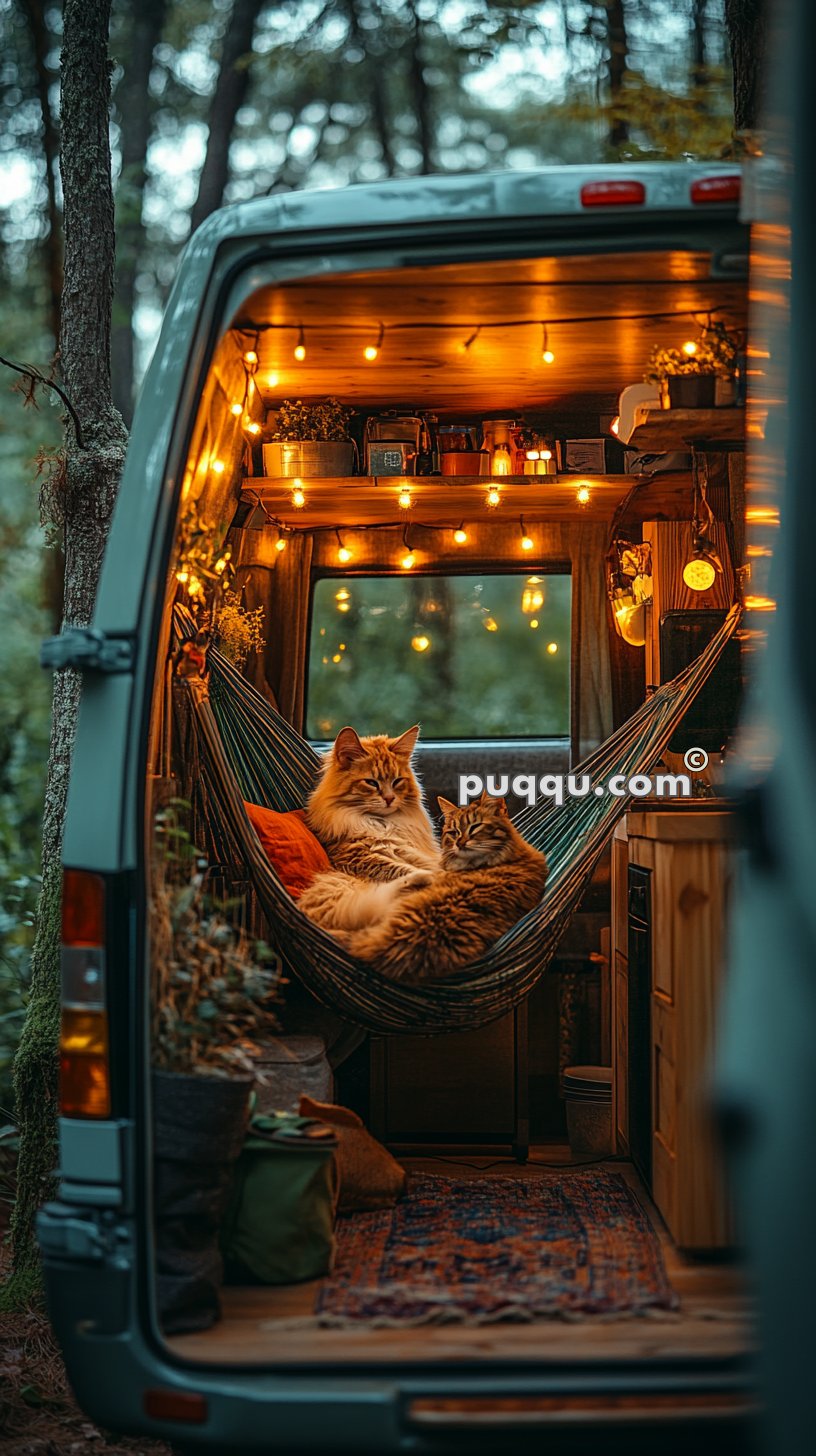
(465, 656)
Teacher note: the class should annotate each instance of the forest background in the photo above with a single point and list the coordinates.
(233, 99)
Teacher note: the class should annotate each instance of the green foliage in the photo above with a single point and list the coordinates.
(239, 631)
(327, 420)
(212, 989)
(715, 352)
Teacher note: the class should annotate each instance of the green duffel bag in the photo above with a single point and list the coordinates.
(279, 1226)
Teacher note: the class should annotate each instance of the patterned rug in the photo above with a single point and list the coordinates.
(478, 1250)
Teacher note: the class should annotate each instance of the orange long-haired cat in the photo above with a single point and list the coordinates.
(490, 877)
(368, 813)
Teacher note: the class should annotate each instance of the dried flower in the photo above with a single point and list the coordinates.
(327, 420)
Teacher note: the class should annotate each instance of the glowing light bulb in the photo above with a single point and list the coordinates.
(343, 606)
(342, 595)
(546, 455)
(221, 565)
(272, 381)
(250, 357)
(405, 500)
(183, 575)
(527, 543)
(552, 648)
(534, 622)
(699, 574)
(493, 497)
(582, 495)
(298, 497)
(690, 348)
(460, 536)
(490, 624)
(300, 352)
(548, 356)
(337, 657)
(615, 425)
(533, 455)
(217, 467)
(421, 643)
(280, 544)
(344, 554)
(370, 353)
(408, 561)
(236, 409)
(253, 428)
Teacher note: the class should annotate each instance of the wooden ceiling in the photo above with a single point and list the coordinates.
(588, 303)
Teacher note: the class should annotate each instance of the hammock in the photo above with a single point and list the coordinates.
(248, 751)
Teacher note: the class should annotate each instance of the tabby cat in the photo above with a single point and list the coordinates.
(367, 811)
(490, 877)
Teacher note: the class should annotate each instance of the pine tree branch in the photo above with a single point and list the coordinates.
(29, 372)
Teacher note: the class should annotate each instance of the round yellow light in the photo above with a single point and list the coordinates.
(342, 595)
(250, 357)
(420, 644)
(582, 495)
(280, 544)
(546, 455)
(552, 648)
(298, 498)
(344, 554)
(221, 565)
(493, 497)
(527, 543)
(300, 352)
(690, 348)
(236, 409)
(460, 536)
(370, 352)
(337, 657)
(217, 467)
(699, 574)
(342, 646)
(408, 561)
(183, 575)
(253, 428)
(534, 622)
(405, 500)
(548, 356)
(272, 381)
(533, 454)
(490, 624)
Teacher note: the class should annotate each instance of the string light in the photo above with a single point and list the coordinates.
(371, 351)
(343, 553)
(690, 348)
(460, 536)
(280, 544)
(236, 409)
(420, 643)
(217, 467)
(405, 499)
(527, 542)
(253, 428)
(582, 495)
(272, 381)
(547, 354)
(298, 496)
(251, 359)
(493, 497)
(552, 648)
(490, 624)
(534, 623)
(409, 559)
(300, 346)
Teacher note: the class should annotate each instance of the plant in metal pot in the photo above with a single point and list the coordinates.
(213, 995)
(688, 376)
(310, 439)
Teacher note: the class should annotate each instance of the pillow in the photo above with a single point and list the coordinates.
(369, 1177)
(291, 848)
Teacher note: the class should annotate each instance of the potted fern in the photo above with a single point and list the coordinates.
(310, 439)
(699, 375)
(212, 996)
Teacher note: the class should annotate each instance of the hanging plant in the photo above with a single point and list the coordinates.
(238, 630)
(325, 420)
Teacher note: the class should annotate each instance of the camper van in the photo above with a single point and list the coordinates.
(423, 1160)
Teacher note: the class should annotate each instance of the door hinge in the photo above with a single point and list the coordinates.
(88, 650)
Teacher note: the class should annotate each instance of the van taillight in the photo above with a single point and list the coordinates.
(612, 193)
(84, 1049)
(717, 189)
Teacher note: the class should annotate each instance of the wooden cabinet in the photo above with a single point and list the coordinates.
(685, 850)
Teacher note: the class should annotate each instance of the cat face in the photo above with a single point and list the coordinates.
(374, 775)
(476, 834)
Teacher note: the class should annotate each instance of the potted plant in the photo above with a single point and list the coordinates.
(310, 439)
(693, 376)
(212, 995)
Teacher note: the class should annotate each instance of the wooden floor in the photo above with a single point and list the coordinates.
(714, 1321)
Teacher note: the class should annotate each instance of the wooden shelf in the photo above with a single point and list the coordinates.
(447, 499)
(672, 429)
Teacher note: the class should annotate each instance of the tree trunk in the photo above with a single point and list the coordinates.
(377, 80)
(421, 94)
(746, 23)
(230, 93)
(135, 116)
(88, 479)
(617, 64)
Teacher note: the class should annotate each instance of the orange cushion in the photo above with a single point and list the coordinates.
(294, 853)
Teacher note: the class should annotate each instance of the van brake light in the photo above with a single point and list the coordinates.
(84, 1044)
(612, 193)
(717, 189)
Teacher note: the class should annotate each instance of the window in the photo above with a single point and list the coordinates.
(465, 656)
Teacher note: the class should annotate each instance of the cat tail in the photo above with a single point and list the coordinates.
(339, 902)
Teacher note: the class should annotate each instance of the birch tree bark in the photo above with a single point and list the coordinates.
(79, 498)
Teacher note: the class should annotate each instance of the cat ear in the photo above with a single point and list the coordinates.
(404, 746)
(347, 747)
(445, 805)
(489, 801)
(500, 806)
